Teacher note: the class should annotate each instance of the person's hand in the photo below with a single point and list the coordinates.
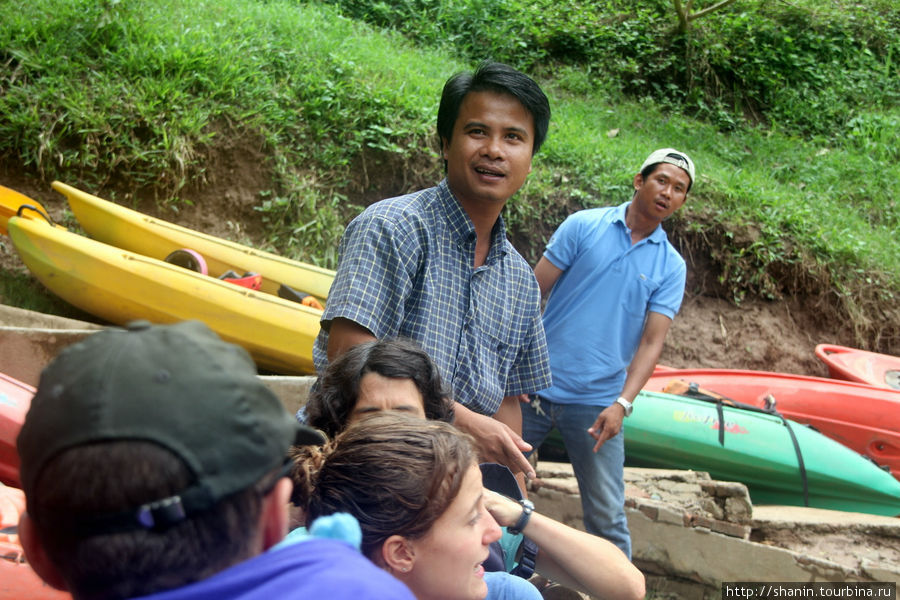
(505, 511)
(496, 441)
(607, 425)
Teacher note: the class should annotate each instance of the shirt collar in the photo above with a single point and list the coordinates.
(462, 228)
(658, 236)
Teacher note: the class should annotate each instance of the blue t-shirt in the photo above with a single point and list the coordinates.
(596, 312)
(406, 269)
(503, 586)
(313, 568)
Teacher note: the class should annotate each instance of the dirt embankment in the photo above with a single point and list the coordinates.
(709, 332)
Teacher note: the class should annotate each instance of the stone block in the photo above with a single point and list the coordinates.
(712, 507)
(725, 489)
(738, 509)
(651, 512)
(732, 529)
(706, 556)
(670, 514)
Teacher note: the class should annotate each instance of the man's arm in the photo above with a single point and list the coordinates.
(609, 422)
(546, 274)
(343, 335)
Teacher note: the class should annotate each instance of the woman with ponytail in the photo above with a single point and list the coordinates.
(415, 488)
(396, 375)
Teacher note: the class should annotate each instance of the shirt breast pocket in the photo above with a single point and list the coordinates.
(636, 295)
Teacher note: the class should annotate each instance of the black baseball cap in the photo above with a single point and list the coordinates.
(179, 386)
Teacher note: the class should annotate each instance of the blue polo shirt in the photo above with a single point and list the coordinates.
(596, 311)
(406, 269)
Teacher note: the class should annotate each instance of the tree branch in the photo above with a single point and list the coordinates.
(709, 9)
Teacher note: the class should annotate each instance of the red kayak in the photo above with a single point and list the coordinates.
(15, 399)
(862, 417)
(852, 364)
(17, 579)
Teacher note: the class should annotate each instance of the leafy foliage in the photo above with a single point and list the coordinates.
(789, 109)
(802, 67)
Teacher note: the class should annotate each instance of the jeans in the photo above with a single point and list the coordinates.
(600, 475)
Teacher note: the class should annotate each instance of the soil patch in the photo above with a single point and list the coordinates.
(709, 332)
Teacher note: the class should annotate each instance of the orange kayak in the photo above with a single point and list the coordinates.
(15, 399)
(852, 364)
(17, 579)
(862, 417)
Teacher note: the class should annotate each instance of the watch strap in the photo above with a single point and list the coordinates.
(626, 404)
(527, 509)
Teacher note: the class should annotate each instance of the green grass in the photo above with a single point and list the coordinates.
(136, 92)
(129, 97)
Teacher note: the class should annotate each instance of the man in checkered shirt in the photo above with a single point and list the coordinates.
(435, 266)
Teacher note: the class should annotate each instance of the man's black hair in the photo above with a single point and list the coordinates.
(493, 77)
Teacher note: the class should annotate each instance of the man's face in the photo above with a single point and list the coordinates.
(662, 193)
(489, 156)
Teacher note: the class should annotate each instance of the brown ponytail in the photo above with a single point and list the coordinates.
(395, 473)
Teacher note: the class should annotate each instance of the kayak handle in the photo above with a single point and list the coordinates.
(35, 209)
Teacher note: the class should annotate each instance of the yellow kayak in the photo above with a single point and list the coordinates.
(124, 228)
(119, 286)
(14, 203)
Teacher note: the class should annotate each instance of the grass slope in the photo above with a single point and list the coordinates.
(131, 95)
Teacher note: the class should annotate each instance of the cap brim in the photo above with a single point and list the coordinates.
(307, 436)
(498, 478)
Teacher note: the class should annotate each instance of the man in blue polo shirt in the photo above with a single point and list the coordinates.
(616, 284)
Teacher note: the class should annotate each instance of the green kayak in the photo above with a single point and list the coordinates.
(780, 461)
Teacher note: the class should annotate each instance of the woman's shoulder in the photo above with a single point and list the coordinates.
(503, 586)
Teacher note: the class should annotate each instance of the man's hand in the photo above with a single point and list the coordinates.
(496, 441)
(523, 398)
(608, 424)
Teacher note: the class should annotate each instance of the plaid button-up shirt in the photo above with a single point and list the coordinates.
(406, 270)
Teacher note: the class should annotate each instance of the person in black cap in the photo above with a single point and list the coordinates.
(153, 461)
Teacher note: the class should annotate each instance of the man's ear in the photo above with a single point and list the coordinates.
(274, 515)
(36, 555)
(445, 143)
(638, 181)
(398, 556)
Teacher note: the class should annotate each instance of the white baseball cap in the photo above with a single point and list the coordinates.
(673, 157)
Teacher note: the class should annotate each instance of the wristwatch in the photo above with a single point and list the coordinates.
(527, 509)
(628, 406)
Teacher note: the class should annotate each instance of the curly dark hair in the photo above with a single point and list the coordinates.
(330, 406)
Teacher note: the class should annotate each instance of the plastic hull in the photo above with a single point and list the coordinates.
(15, 400)
(668, 431)
(861, 417)
(882, 370)
(119, 286)
(124, 228)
